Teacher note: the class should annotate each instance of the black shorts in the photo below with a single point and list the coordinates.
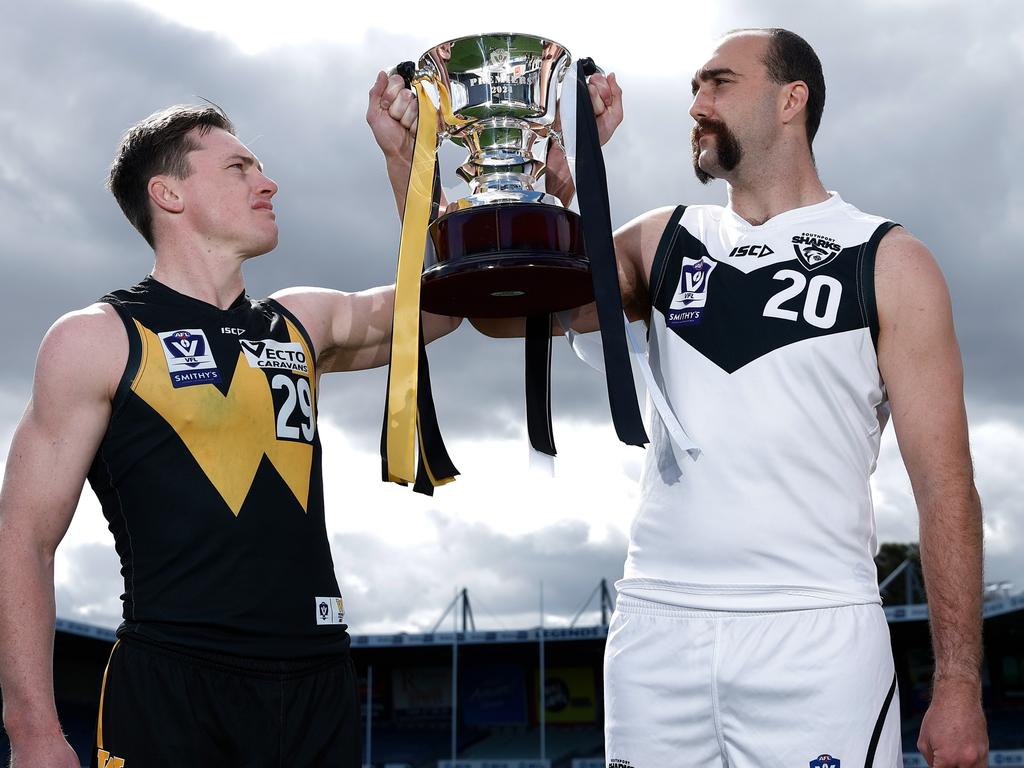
(168, 707)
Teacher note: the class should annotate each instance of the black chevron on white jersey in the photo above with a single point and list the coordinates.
(763, 340)
(750, 314)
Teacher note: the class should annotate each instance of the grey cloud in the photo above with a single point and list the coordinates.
(75, 86)
(402, 587)
(92, 590)
(406, 587)
(921, 125)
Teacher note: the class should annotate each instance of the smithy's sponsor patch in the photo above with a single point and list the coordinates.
(692, 294)
(189, 358)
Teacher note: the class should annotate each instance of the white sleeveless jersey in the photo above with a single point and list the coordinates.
(764, 341)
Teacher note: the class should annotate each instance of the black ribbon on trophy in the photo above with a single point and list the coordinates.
(507, 250)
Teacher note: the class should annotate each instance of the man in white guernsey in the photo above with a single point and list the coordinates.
(785, 328)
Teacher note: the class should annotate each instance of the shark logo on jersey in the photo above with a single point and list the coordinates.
(815, 250)
(825, 761)
(189, 358)
(692, 294)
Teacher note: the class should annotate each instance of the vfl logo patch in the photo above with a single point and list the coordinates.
(189, 359)
(692, 294)
(751, 250)
(815, 250)
(107, 760)
(330, 610)
(286, 355)
(825, 761)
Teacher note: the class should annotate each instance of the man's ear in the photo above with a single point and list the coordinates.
(165, 193)
(794, 100)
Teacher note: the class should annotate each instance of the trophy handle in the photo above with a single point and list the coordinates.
(589, 67)
(407, 69)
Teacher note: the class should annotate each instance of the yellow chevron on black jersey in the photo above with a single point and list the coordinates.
(228, 434)
(210, 477)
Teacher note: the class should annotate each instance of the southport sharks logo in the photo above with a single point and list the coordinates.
(815, 250)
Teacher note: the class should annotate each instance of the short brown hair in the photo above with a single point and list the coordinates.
(158, 145)
(789, 58)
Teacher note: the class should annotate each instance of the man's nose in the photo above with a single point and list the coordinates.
(701, 106)
(267, 186)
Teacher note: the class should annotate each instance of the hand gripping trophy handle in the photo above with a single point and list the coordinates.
(508, 249)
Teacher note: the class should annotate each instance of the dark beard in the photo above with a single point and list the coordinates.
(729, 151)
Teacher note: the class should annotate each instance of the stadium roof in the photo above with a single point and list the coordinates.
(893, 614)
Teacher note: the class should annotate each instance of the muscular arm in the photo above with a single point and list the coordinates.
(920, 363)
(352, 331)
(52, 449)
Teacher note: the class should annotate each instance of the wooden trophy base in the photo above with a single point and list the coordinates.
(507, 260)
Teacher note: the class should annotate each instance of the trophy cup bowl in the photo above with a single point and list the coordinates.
(507, 249)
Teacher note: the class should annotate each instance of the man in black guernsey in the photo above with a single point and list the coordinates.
(192, 410)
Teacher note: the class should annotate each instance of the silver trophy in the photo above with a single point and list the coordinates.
(507, 249)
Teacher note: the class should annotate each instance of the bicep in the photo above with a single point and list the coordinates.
(54, 446)
(352, 331)
(920, 363)
(629, 243)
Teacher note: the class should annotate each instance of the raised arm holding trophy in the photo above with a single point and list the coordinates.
(508, 249)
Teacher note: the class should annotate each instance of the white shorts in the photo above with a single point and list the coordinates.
(791, 689)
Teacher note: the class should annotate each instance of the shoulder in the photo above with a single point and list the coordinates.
(86, 348)
(906, 270)
(647, 224)
(911, 293)
(316, 309)
(309, 304)
(637, 240)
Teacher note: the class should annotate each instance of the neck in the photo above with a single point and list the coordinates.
(770, 190)
(215, 281)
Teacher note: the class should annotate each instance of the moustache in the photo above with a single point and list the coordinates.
(708, 128)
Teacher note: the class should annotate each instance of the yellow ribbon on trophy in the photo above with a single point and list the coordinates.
(402, 412)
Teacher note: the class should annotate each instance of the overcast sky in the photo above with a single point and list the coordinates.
(922, 125)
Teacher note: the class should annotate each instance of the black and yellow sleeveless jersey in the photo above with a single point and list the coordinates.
(209, 476)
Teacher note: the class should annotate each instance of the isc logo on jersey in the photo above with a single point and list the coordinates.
(692, 294)
(282, 355)
(758, 251)
(189, 359)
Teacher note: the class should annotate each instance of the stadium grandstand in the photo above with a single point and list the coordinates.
(469, 698)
